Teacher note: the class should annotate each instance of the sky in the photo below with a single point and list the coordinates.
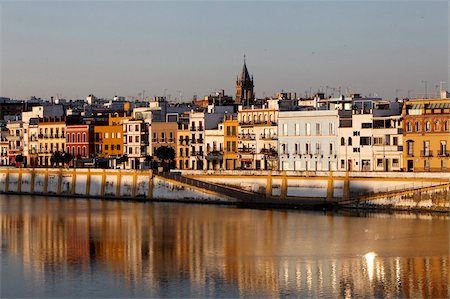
(106, 48)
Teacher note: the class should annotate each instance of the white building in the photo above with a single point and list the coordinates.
(214, 139)
(371, 140)
(308, 140)
(135, 142)
(257, 135)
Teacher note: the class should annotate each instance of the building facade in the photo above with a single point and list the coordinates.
(52, 138)
(307, 140)
(426, 135)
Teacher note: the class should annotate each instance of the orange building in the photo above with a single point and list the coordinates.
(231, 155)
(109, 138)
(426, 135)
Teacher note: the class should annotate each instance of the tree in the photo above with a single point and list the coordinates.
(19, 158)
(57, 158)
(67, 158)
(165, 153)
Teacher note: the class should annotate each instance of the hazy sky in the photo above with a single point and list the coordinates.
(74, 48)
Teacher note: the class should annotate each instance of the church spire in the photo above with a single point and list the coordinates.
(244, 86)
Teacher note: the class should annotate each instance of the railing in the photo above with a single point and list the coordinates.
(427, 153)
(193, 129)
(269, 137)
(246, 150)
(444, 153)
(199, 140)
(247, 136)
(268, 151)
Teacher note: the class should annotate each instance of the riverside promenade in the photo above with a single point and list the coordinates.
(308, 190)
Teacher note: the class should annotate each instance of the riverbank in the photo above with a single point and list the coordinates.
(429, 192)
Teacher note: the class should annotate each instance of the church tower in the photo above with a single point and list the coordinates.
(244, 87)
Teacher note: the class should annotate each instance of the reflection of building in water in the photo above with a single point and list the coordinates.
(248, 250)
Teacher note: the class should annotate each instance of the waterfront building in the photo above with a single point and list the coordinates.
(182, 149)
(258, 136)
(136, 142)
(15, 141)
(214, 139)
(370, 136)
(231, 141)
(31, 141)
(52, 138)
(244, 88)
(308, 139)
(108, 138)
(426, 134)
(199, 121)
(163, 134)
(79, 139)
(4, 145)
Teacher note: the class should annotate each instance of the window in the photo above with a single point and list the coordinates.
(106, 147)
(84, 151)
(297, 129)
(342, 163)
(426, 148)
(377, 140)
(365, 141)
(318, 132)
(307, 129)
(73, 137)
(409, 127)
(443, 164)
(342, 141)
(228, 131)
(130, 139)
(118, 135)
(233, 131)
(331, 148)
(136, 128)
(410, 145)
(356, 133)
(366, 125)
(443, 148)
(394, 140)
(417, 126)
(155, 137)
(426, 164)
(437, 126)
(112, 135)
(427, 126)
(379, 162)
(331, 128)
(446, 126)
(318, 148)
(233, 146)
(285, 130)
(350, 141)
(84, 137)
(395, 162)
(308, 148)
(296, 149)
(130, 150)
(163, 137)
(118, 147)
(112, 147)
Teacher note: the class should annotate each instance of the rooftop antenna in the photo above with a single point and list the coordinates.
(426, 94)
(440, 85)
(409, 92)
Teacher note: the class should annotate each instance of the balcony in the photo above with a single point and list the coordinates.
(269, 151)
(444, 153)
(199, 140)
(193, 129)
(200, 129)
(426, 153)
(246, 150)
(247, 136)
(269, 137)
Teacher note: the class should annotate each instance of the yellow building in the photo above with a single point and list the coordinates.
(109, 138)
(426, 135)
(51, 138)
(182, 150)
(231, 155)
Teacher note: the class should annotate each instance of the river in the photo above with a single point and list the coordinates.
(53, 247)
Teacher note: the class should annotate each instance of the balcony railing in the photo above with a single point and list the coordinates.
(246, 150)
(199, 140)
(269, 151)
(426, 153)
(444, 153)
(247, 136)
(269, 137)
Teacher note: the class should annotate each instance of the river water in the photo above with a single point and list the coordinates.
(64, 248)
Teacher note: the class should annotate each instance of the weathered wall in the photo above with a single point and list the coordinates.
(99, 183)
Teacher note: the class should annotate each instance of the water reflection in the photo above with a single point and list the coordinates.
(200, 251)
